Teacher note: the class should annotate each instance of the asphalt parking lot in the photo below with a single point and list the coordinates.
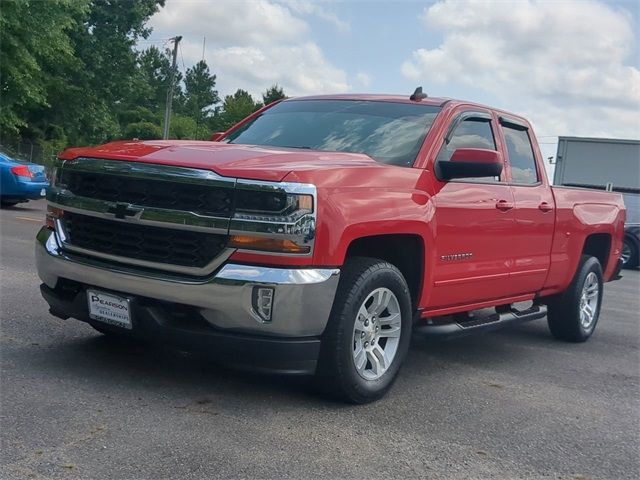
(510, 404)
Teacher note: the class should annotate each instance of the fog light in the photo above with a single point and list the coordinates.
(262, 300)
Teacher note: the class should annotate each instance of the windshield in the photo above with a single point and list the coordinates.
(388, 132)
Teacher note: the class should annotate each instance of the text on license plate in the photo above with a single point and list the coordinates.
(109, 308)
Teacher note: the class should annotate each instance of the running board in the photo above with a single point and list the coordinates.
(481, 324)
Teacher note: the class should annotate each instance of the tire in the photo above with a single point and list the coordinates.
(629, 253)
(567, 318)
(357, 330)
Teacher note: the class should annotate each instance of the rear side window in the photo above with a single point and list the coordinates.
(521, 158)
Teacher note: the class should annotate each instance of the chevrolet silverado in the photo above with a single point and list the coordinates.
(314, 236)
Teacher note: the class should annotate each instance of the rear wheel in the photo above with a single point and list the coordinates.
(629, 253)
(573, 316)
(368, 333)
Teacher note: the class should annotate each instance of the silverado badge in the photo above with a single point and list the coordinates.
(456, 256)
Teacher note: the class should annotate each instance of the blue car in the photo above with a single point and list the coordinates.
(21, 181)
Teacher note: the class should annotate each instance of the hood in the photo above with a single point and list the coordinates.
(229, 160)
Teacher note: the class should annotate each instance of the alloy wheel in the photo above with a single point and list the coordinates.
(589, 300)
(376, 333)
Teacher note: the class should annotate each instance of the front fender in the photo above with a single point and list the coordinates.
(350, 215)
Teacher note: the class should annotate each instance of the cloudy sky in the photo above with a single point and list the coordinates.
(572, 67)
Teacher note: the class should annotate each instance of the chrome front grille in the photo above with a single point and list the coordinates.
(202, 199)
(176, 219)
(150, 244)
(145, 215)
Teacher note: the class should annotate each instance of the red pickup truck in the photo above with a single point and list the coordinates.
(317, 234)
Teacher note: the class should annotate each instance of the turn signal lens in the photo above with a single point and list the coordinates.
(53, 214)
(275, 245)
(305, 203)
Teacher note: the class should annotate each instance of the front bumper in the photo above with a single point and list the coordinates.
(220, 309)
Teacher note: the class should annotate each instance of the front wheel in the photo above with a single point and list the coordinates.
(368, 333)
(573, 316)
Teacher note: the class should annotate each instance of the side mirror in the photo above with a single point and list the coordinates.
(215, 137)
(470, 163)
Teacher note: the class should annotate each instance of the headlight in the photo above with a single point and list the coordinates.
(272, 206)
(274, 218)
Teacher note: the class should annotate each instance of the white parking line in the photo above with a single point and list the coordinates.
(30, 219)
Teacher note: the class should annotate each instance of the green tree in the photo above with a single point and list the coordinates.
(200, 94)
(236, 107)
(34, 33)
(152, 80)
(138, 114)
(142, 131)
(105, 45)
(183, 127)
(86, 91)
(106, 41)
(273, 93)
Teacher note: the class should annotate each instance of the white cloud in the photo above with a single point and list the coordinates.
(363, 79)
(306, 7)
(565, 65)
(252, 44)
(300, 69)
(230, 21)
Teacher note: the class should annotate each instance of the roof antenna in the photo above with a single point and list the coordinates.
(418, 95)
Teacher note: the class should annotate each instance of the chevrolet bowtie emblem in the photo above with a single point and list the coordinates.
(123, 210)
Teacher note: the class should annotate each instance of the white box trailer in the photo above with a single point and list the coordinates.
(605, 164)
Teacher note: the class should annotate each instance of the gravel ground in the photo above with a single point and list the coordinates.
(510, 404)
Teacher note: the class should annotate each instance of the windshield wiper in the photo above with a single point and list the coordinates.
(291, 146)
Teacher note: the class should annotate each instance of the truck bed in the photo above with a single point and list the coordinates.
(582, 212)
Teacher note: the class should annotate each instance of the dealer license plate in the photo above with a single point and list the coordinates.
(108, 308)
(43, 192)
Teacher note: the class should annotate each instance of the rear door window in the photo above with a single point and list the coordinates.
(521, 158)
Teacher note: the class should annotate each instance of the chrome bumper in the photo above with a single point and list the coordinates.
(301, 305)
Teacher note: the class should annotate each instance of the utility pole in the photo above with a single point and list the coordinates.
(167, 110)
(198, 111)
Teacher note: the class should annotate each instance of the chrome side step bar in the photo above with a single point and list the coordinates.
(480, 324)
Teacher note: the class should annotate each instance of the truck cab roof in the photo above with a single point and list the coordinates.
(437, 102)
(397, 98)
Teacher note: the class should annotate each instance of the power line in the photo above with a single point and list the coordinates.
(155, 39)
(159, 41)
